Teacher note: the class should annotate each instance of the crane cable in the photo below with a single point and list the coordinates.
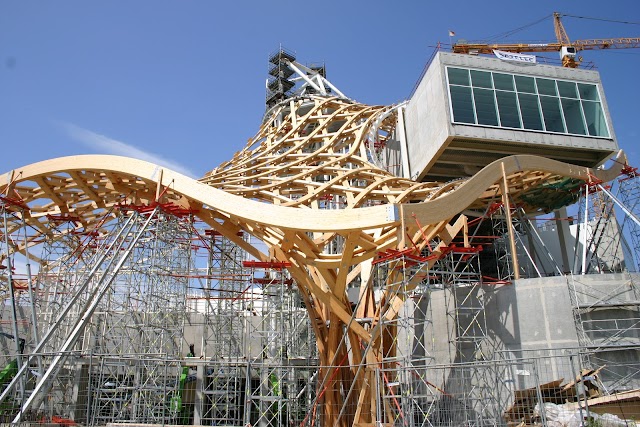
(506, 34)
(607, 20)
(602, 19)
(516, 30)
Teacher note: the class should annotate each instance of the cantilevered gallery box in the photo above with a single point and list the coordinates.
(468, 111)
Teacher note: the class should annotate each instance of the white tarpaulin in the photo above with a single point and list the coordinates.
(519, 57)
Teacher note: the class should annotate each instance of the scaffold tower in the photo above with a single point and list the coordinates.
(606, 312)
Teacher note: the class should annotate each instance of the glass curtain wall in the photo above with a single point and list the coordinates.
(523, 102)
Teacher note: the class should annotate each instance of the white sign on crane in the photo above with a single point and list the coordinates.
(518, 57)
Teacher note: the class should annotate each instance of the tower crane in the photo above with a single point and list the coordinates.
(564, 45)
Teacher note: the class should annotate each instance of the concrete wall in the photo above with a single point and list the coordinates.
(534, 314)
(529, 314)
(430, 130)
(427, 118)
(533, 319)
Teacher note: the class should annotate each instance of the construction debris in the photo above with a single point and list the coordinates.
(571, 403)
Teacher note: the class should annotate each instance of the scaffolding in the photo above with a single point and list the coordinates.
(413, 388)
(606, 312)
(160, 319)
(406, 277)
(629, 192)
(219, 307)
(280, 341)
(465, 297)
(142, 319)
(125, 310)
(223, 294)
(187, 329)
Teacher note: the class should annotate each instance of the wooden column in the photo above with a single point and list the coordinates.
(507, 209)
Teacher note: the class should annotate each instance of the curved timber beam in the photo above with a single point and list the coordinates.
(236, 206)
(470, 192)
(305, 183)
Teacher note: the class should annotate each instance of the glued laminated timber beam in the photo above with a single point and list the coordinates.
(305, 183)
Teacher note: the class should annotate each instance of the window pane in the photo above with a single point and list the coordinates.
(546, 87)
(458, 76)
(462, 104)
(485, 107)
(508, 108)
(595, 119)
(513, 101)
(552, 113)
(573, 116)
(525, 84)
(567, 89)
(589, 92)
(530, 111)
(503, 81)
(481, 79)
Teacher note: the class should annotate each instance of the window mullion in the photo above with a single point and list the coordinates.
(540, 112)
(564, 122)
(560, 97)
(584, 118)
(495, 106)
(518, 104)
(473, 103)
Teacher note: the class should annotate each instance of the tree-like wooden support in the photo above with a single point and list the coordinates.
(305, 185)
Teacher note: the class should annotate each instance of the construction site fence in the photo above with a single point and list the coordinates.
(526, 387)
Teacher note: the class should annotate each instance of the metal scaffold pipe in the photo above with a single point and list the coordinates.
(14, 314)
(67, 308)
(621, 205)
(102, 287)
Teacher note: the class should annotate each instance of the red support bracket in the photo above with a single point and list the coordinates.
(391, 254)
(216, 233)
(65, 217)
(14, 202)
(593, 183)
(170, 208)
(276, 265)
(488, 280)
(271, 281)
(464, 250)
(629, 173)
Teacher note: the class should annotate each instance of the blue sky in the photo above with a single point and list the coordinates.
(182, 82)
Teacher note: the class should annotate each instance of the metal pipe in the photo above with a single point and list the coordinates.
(573, 370)
(320, 89)
(70, 304)
(528, 253)
(546, 250)
(620, 204)
(101, 289)
(584, 231)
(34, 315)
(333, 88)
(14, 313)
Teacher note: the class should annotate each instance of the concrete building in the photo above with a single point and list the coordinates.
(468, 111)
